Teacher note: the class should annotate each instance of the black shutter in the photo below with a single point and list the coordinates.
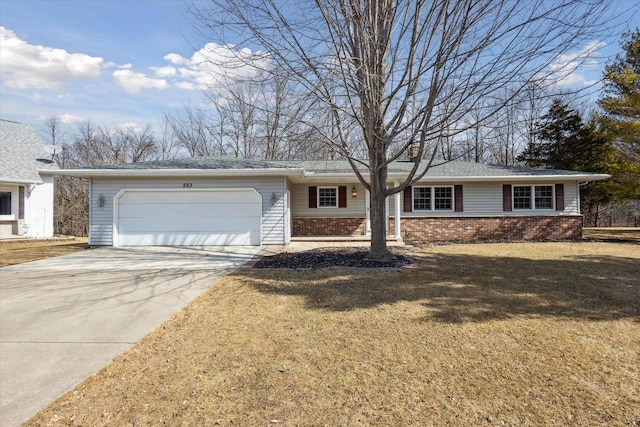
(408, 200)
(313, 197)
(559, 197)
(342, 196)
(458, 198)
(506, 197)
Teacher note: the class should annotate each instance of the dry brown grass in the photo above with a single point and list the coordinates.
(527, 334)
(26, 251)
(631, 234)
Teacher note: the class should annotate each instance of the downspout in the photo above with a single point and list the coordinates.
(397, 220)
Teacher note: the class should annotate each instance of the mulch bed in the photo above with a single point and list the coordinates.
(327, 257)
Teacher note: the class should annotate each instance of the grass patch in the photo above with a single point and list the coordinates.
(630, 234)
(508, 334)
(26, 251)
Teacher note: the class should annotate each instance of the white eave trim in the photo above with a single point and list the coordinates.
(482, 178)
(299, 172)
(124, 173)
(19, 181)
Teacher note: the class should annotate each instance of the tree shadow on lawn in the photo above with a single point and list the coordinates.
(469, 288)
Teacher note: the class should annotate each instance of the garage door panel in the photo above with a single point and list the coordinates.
(139, 210)
(189, 239)
(211, 225)
(189, 217)
(188, 197)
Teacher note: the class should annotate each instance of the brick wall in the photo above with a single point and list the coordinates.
(442, 229)
(328, 226)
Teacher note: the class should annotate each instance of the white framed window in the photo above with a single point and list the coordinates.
(521, 197)
(421, 198)
(544, 196)
(536, 197)
(433, 198)
(443, 198)
(327, 197)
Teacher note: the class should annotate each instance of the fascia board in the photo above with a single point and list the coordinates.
(501, 178)
(510, 178)
(19, 181)
(125, 173)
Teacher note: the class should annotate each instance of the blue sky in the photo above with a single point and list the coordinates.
(98, 60)
(117, 61)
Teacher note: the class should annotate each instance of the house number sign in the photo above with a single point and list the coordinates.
(187, 184)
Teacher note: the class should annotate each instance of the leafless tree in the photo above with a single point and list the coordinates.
(53, 130)
(390, 66)
(92, 145)
(193, 130)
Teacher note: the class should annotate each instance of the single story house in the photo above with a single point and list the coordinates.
(229, 201)
(26, 183)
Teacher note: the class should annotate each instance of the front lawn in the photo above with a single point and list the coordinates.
(18, 252)
(496, 334)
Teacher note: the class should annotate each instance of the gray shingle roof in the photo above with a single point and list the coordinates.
(334, 167)
(22, 153)
(449, 169)
(212, 162)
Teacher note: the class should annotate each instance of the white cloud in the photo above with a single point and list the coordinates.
(174, 58)
(32, 66)
(186, 86)
(215, 65)
(126, 127)
(167, 71)
(125, 67)
(134, 82)
(70, 118)
(570, 69)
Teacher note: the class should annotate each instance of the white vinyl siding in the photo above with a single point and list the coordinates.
(485, 199)
(272, 190)
(300, 202)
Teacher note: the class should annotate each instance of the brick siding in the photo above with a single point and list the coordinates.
(442, 229)
(328, 226)
(446, 229)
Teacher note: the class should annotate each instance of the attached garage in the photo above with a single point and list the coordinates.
(185, 217)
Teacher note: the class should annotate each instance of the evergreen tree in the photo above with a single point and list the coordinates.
(620, 126)
(563, 141)
(621, 100)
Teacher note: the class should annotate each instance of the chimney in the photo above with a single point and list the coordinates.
(413, 152)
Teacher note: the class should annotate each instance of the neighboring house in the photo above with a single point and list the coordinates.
(227, 201)
(26, 183)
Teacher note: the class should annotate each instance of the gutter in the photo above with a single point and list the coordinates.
(300, 172)
(19, 181)
(124, 173)
(482, 178)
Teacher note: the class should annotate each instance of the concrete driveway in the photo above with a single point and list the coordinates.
(63, 319)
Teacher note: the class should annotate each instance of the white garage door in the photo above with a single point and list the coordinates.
(188, 217)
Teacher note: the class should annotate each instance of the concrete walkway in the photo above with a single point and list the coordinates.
(63, 319)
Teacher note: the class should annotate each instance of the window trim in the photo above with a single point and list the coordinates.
(432, 198)
(532, 198)
(324, 187)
